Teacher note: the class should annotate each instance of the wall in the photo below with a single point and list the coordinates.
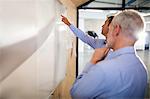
(63, 90)
(34, 48)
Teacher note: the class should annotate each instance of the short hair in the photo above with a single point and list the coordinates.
(110, 18)
(130, 21)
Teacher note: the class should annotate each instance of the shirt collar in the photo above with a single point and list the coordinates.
(125, 50)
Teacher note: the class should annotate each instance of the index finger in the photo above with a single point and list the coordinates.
(62, 16)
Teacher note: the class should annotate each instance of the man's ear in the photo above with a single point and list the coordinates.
(117, 29)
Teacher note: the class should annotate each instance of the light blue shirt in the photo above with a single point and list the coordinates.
(121, 75)
(94, 43)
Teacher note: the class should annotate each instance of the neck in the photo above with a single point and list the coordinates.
(123, 43)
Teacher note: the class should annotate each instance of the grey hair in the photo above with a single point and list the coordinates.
(130, 21)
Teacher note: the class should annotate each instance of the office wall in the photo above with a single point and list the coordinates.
(34, 47)
(63, 90)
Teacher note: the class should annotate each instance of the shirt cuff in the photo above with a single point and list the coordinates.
(71, 26)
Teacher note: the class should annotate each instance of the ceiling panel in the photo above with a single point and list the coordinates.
(118, 3)
(137, 3)
(110, 1)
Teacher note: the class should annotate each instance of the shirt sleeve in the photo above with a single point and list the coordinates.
(88, 83)
(94, 43)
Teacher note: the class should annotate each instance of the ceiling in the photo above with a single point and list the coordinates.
(140, 5)
(118, 3)
(112, 3)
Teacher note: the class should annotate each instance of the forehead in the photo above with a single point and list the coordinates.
(107, 20)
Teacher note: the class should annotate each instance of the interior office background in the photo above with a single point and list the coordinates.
(93, 15)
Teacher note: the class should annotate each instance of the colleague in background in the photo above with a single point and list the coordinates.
(94, 43)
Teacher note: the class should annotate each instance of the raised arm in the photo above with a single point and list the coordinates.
(99, 54)
(94, 43)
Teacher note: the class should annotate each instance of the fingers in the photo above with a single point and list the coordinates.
(102, 49)
(63, 16)
(65, 20)
(106, 51)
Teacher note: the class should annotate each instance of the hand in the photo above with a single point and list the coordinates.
(65, 20)
(99, 54)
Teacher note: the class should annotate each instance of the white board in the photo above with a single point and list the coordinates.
(33, 51)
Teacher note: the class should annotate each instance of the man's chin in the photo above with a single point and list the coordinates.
(102, 33)
(108, 45)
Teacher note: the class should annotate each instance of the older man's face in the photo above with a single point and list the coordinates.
(110, 38)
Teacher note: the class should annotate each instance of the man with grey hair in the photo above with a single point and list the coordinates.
(121, 74)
